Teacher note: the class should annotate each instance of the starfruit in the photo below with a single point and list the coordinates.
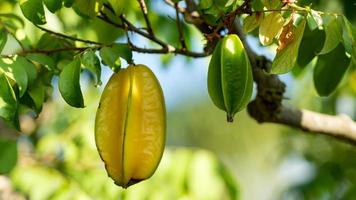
(230, 81)
(130, 125)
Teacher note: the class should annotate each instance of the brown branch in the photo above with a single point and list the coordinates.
(48, 51)
(128, 26)
(180, 27)
(172, 4)
(145, 16)
(268, 107)
(151, 37)
(166, 48)
(67, 36)
(170, 49)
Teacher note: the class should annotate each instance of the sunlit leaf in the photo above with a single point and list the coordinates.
(8, 102)
(124, 51)
(86, 8)
(29, 67)
(16, 70)
(13, 17)
(118, 5)
(251, 22)
(270, 26)
(349, 37)
(333, 31)
(286, 59)
(92, 63)
(42, 59)
(314, 19)
(69, 85)
(110, 58)
(3, 39)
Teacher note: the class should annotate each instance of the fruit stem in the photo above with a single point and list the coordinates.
(230, 117)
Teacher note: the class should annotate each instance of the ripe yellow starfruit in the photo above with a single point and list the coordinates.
(130, 125)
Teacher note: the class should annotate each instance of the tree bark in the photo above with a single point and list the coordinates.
(268, 107)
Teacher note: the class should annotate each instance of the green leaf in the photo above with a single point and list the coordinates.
(68, 3)
(257, 5)
(92, 63)
(37, 94)
(42, 59)
(124, 51)
(3, 39)
(349, 37)
(271, 25)
(29, 67)
(8, 158)
(16, 71)
(86, 8)
(110, 58)
(205, 4)
(33, 11)
(118, 5)
(272, 4)
(8, 102)
(6, 91)
(311, 44)
(286, 59)
(229, 181)
(329, 70)
(333, 31)
(251, 22)
(13, 17)
(69, 85)
(314, 19)
(53, 5)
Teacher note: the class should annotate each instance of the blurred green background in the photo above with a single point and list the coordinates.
(205, 158)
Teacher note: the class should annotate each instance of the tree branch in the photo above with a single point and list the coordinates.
(149, 36)
(169, 50)
(172, 4)
(180, 27)
(145, 15)
(268, 107)
(166, 48)
(67, 36)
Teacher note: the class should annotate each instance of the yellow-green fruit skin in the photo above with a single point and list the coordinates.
(230, 81)
(130, 125)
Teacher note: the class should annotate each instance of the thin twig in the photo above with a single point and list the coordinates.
(132, 28)
(67, 36)
(180, 28)
(172, 4)
(132, 46)
(170, 49)
(48, 51)
(145, 15)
